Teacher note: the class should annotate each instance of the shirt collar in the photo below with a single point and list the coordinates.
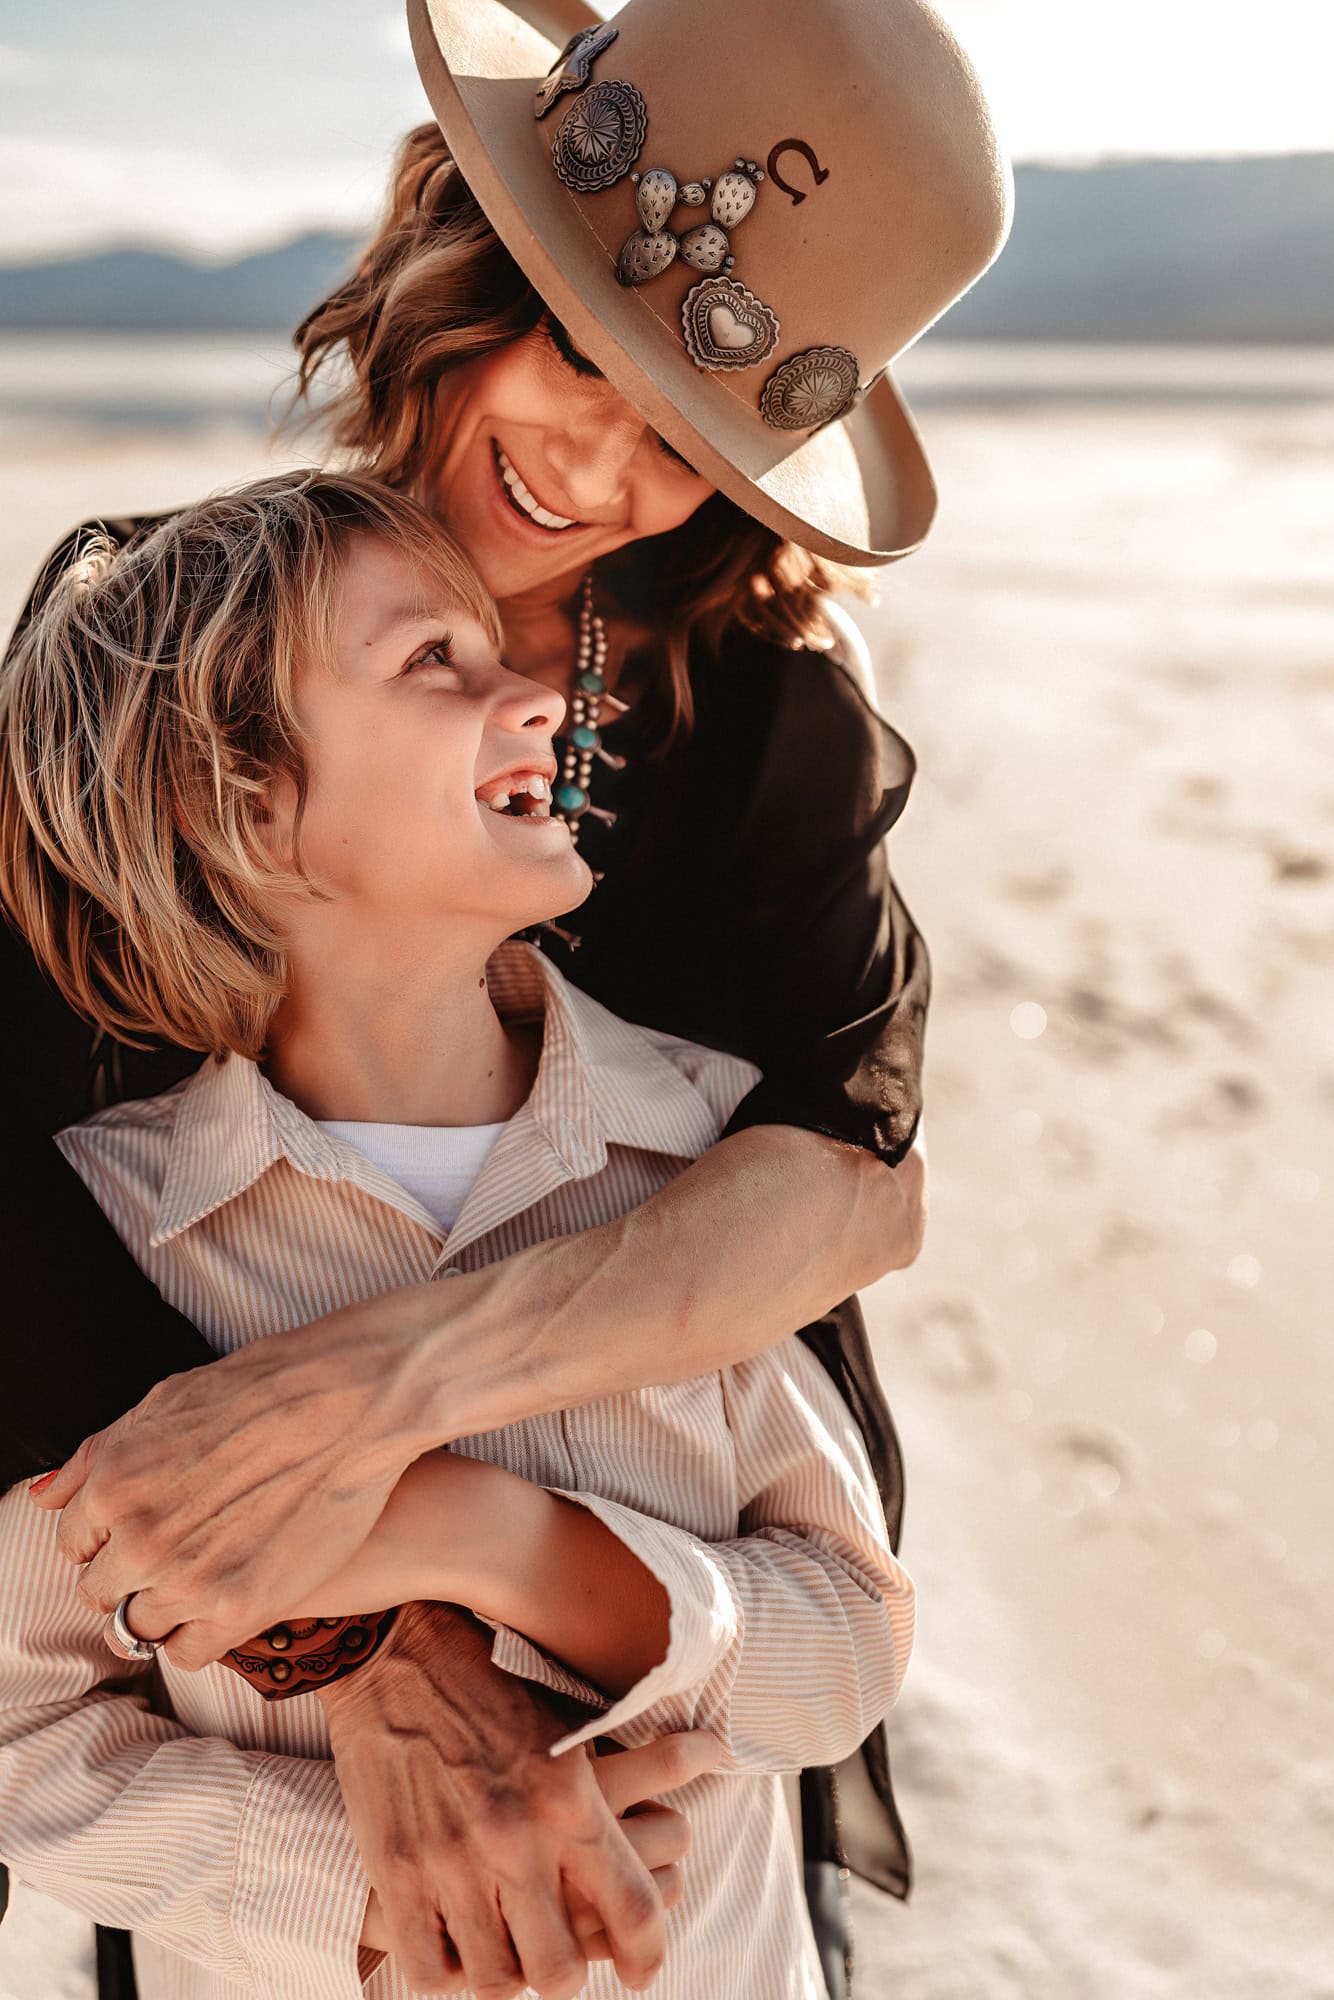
(601, 1082)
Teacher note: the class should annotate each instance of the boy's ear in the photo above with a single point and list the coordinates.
(275, 818)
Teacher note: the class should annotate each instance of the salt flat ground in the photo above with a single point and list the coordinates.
(1112, 1366)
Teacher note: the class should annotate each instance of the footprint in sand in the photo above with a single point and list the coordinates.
(1148, 1795)
(954, 1345)
(1224, 1104)
(1292, 864)
(1087, 1471)
(1045, 886)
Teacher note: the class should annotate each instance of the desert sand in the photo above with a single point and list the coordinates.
(1112, 1367)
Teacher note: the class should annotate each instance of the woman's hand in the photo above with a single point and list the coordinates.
(659, 1836)
(471, 1831)
(230, 1492)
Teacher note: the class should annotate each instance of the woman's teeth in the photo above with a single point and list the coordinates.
(524, 500)
(529, 794)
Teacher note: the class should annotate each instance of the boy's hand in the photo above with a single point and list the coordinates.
(492, 1861)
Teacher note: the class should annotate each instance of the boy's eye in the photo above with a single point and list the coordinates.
(440, 654)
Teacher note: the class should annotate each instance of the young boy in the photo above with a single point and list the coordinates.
(267, 792)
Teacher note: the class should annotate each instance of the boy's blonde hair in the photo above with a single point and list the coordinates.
(145, 712)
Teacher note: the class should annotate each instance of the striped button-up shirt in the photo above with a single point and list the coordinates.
(186, 1809)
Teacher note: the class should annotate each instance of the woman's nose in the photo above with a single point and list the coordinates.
(591, 457)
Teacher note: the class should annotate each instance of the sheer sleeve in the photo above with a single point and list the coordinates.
(86, 1334)
(829, 974)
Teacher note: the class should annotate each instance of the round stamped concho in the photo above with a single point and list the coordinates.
(726, 326)
(811, 389)
(600, 137)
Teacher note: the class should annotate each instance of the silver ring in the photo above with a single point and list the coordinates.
(125, 1642)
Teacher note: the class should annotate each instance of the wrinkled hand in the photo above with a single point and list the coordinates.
(659, 1836)
(492, 1861)
(230, 1492)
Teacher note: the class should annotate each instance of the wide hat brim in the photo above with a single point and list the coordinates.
(859, 491)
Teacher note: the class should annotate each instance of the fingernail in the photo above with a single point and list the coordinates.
(45, 1480)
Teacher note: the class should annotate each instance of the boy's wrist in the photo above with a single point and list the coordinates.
(491, 1539)
(458, 1530)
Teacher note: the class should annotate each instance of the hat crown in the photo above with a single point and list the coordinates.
(871, 193)
(885, 194)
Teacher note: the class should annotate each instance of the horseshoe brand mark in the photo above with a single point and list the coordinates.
(795, 146)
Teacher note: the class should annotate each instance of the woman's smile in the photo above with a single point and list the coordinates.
(524, 502)
(545, 471)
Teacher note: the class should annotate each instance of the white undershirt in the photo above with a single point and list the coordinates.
(437, 1164)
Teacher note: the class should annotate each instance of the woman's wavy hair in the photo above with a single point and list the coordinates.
(436, 288)
(146, 711)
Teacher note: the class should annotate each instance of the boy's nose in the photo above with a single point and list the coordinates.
(530, 705)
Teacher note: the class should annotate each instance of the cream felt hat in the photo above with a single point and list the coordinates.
(742, 212)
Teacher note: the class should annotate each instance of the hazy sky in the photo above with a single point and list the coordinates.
(220, 127)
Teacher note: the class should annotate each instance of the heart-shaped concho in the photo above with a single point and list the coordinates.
(643, 257)
(726, 326)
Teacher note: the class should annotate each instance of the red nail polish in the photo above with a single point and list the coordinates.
(45, 1480)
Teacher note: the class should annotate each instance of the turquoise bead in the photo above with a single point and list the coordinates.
(592, 683)
(571, 798)
(584, 738)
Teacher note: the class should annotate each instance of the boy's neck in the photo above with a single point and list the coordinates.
(395, 1036)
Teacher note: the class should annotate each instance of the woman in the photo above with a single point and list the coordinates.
(746, 899)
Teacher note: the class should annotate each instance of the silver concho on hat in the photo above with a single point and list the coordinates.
(572, 66)
(600, 137)
(726, 326)
(810, 389)
(706, 247)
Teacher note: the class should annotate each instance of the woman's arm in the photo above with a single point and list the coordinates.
(231, 1488)
(87, 1334)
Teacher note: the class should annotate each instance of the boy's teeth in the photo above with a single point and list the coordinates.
(530, 506)
(529, 783)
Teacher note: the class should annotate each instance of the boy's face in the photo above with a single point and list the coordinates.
(410, 735)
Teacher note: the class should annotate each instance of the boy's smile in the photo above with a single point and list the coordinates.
(430, 769)
(522, 793)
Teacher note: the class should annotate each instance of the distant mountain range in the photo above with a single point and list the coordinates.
(1200, 250)
(1142, 250)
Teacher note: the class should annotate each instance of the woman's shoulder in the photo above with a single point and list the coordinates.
(807, 709)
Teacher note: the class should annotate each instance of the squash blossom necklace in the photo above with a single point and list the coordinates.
(582, 742)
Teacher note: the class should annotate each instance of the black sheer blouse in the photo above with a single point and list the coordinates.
(746, 902)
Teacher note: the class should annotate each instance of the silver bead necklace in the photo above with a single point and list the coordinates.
(582, 742)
